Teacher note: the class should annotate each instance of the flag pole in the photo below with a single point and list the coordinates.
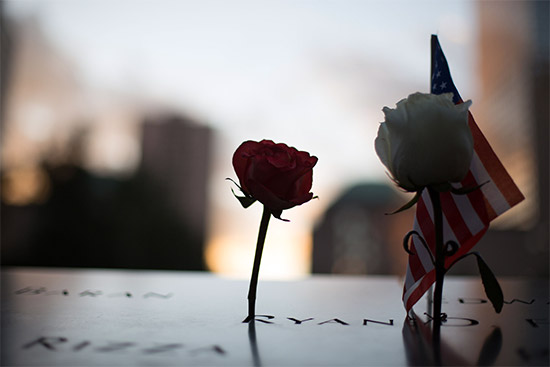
(435, 300)
(432, 71)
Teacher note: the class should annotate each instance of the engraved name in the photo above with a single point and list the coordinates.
(63, 344)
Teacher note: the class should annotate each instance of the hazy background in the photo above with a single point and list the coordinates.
(120, 118)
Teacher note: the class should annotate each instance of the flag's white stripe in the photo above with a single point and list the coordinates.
(490, 189)
(468, 213)
(409, 279)
(420, 250)
(411, 289)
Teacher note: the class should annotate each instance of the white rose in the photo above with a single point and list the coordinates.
(425, 141)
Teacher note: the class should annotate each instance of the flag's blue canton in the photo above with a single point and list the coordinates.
(441, 77)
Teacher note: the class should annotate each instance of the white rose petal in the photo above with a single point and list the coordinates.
(425, 141)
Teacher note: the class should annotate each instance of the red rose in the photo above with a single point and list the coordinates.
(276, 175)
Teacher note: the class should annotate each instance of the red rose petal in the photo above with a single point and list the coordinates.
(277, 175)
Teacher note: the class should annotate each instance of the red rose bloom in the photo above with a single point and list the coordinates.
(276, 175)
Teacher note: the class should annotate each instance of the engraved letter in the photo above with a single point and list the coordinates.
(214, 348)
(157, 295)
(298, 322)
(458, 322)
(162, 348)
(81, 346)
(446, 321)
(334, 320)
(537, 322)
(520, 301)
(255, 318)
(390, 323)
(115, 346)
(472, 300)
(31, 290)
(90, 293)
(46, 342)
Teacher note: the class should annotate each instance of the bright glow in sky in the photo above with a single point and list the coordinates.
(312, 74)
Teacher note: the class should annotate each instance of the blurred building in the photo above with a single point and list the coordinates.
(71, 194)
(354, 236)
(176, 155)
(41, 103)
(513, 113)
(154, 219)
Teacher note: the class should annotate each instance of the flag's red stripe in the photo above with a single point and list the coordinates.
(429, 278)
(425, 223)
(425, 284)
(426, 226)
(493, 166)
(467, 246)
(476, 198)
(454, 217)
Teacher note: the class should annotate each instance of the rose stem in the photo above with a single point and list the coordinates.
(256, 268)
(439, 266)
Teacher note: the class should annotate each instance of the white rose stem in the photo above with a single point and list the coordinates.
(439, 266)
(256, 268)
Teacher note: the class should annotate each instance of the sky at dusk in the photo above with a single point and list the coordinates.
(312, 74)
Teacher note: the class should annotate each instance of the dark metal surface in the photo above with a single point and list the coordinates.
(99, 318)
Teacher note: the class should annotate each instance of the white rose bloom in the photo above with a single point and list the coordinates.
(425, 141)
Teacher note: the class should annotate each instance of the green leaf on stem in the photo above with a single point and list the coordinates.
(277, 214)
(245, 201)
(466, 190)
(413, 201)
(490, 283)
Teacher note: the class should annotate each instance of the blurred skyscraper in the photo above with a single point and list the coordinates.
(72, 195)
(176, 157)
(513, 113)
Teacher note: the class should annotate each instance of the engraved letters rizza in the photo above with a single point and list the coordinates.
(63, 344)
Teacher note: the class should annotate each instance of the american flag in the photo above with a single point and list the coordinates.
(466, 218)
